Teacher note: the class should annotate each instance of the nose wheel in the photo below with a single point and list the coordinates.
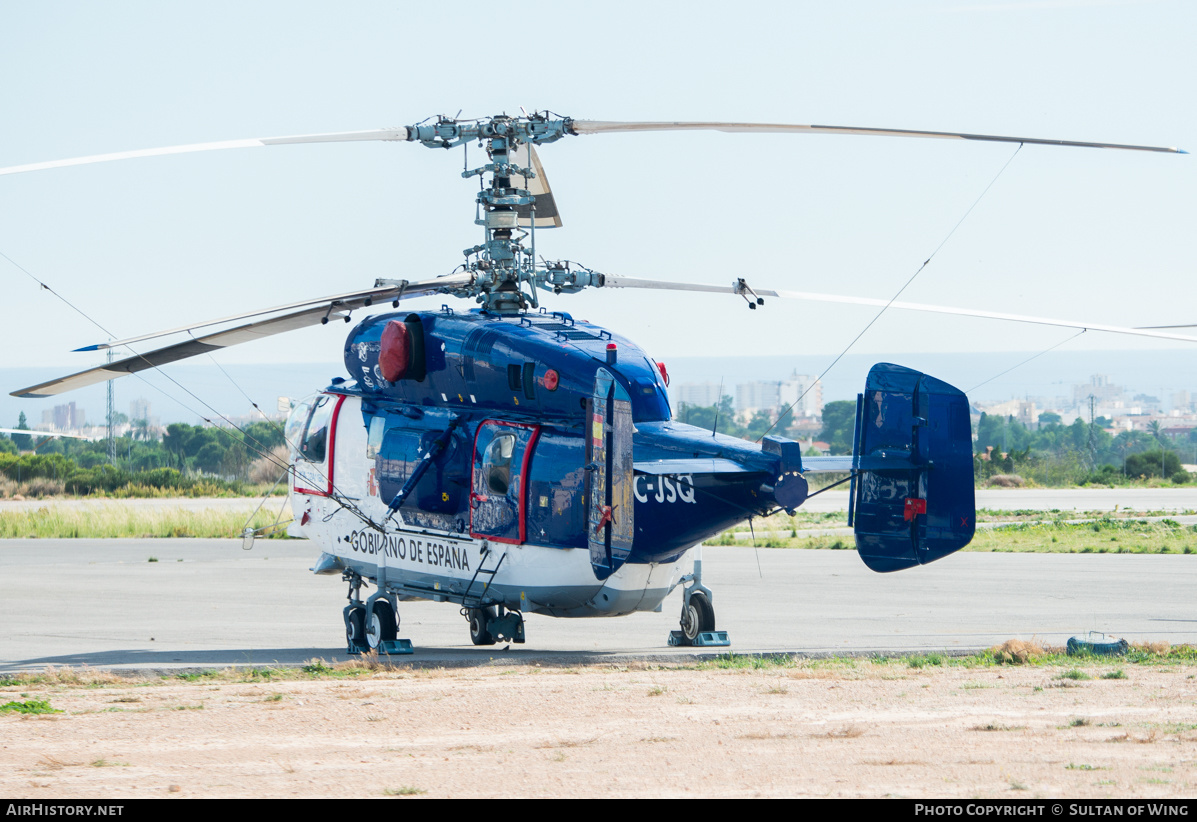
(372, 626)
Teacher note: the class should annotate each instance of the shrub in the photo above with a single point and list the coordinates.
(1153, 464)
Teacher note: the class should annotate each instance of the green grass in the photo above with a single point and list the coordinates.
(1108, 535)
(30, 706)
(924, 660)
(403, 790)
(757, 662)
(1022, 532)
(55, 522)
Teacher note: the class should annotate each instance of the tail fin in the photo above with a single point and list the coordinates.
(912, 498)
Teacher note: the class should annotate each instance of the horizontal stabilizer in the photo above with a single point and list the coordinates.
(694, 465)
(825, 464)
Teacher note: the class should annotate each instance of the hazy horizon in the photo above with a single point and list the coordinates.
(1158, 372)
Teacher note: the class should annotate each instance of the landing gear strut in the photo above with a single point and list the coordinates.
(489, 625)
(371, 626)
(698, 614)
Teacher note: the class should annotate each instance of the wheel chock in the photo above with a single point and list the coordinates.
(391, 647)
(706, 639)
(396, 647)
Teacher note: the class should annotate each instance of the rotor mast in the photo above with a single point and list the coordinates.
(505, 277)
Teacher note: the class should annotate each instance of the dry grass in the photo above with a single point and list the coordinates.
(68, 676)
(1005, 481)
(55, 522)
(847, 732)
(1017, 651)
(1160, 648)
(765, 735)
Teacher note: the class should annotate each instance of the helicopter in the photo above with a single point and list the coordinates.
(509, 459)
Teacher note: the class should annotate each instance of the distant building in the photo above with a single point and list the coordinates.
(1100, 388)
(805, 393)
(802, 391)
(1025, 412)
(757, 396)
(699, 394)
(1148, 403)
(67, 417)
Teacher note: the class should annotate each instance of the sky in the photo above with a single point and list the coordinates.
(1092, 235)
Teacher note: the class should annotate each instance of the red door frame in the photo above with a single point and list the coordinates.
(329, 452)
(523, 501)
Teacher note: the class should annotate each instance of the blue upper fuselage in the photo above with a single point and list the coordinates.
(539, 369)
(486, 362)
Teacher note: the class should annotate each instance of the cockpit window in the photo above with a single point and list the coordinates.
(296, 420)
(315, 438)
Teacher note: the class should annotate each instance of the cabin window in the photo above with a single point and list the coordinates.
(374, 439)
(496, 463)
(498, 496)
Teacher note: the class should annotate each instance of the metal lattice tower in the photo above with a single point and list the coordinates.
(111, 417)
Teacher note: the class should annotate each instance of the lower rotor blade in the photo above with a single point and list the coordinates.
(385, 134)
(50, 434)
(741, 289)
(233, 336)
(373, 295)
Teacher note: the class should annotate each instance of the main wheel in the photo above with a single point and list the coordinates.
(382, 625)
(698, 616)
(479, 617)
(355, 627)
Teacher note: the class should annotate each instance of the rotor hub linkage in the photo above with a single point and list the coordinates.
(505, 277)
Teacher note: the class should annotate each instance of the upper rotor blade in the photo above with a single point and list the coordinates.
(385, 134)
(547, 215)
(232, 336)
(630, 282)
(608, 126)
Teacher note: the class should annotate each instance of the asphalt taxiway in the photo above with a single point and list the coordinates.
(208, 603)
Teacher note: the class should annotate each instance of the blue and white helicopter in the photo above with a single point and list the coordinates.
(510, 460)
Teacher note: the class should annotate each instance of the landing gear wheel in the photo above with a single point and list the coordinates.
(382, 625)
(698, 616)
(479, 617)
(355, 627)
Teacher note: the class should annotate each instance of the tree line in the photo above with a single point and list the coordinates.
(185, 451)
(1051, 454)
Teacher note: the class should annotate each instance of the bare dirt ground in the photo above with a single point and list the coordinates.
(817, 729)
